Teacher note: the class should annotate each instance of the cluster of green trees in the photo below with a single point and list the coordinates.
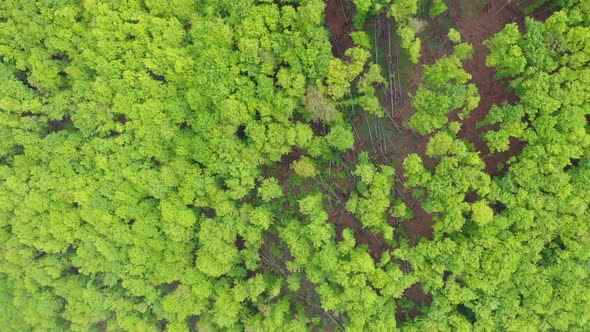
(444, 89)
(349, 282)
(134, 137)
(143, 153)
(406, 15)
(372, 198)
(404, 11)
(512, 252)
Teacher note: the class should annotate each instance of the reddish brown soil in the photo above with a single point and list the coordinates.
(421, 226)
(375, 242)
(416, 295)
(339, 22)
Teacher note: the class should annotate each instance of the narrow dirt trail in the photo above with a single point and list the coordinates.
(339, 22)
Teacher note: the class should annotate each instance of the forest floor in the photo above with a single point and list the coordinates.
(389, 139)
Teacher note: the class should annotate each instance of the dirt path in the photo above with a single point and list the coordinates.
(339, 22)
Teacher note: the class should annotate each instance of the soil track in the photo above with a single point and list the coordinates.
(339, 22)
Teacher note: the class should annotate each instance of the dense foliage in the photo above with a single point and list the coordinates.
(445, 89)
(515, 255)
(134, 137)
(187, 165)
